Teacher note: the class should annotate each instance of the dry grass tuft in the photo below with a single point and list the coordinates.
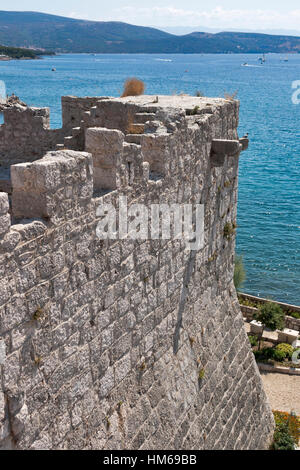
(230, 97)
(133, 87)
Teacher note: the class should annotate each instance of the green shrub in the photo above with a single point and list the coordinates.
(285, 349)
(258, 356)
(294, 314)
(239, 276)
(283, 439)
(278, 355)
(271, 316)
(253, 340)
(247, 302)
(292, 420)
(195, 111)
(264, 354)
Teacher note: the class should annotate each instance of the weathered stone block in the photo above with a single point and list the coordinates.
(107, 383)
(39, 188)
(106, 147)
(256, 327)
(288, 336)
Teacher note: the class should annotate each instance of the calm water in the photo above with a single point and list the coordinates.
(269, 193)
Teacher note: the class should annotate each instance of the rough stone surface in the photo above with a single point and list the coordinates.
(106, 147)
(26, 136)
(135, 344)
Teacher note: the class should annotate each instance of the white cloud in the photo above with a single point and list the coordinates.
(215, 18)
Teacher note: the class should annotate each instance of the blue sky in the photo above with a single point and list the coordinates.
(234, 14)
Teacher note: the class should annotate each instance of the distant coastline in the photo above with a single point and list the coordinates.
(21, 53)
(60, 53)
(8, 58)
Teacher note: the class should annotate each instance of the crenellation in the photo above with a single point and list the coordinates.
(106, 147)
(26, 135)
(52, 186)
(75, 108)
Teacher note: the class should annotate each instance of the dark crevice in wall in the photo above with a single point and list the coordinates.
(183, 298)
(11, 440)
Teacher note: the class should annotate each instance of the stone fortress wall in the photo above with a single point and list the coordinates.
(123, 344)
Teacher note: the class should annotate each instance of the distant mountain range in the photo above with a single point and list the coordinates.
(49, 32)
(191, 29)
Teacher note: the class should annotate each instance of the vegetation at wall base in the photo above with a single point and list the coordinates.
(293, 314)
(239, 276)
(253, 340)
(286, 350)
(251, 303)
(270, 315)
(282, 353)
(287, 431)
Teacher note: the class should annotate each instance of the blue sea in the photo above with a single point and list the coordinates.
(269, 184)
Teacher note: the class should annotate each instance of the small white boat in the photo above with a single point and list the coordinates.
(53, 69)
(284, 59)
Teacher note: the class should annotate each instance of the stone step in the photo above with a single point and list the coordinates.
(133, 138)
(149, 109)
(70, 142)
(93, 111)
(136, 128)
(75, 131)
(141, 118)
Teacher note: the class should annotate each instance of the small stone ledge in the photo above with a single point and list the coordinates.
(225, 147)
(221, 148)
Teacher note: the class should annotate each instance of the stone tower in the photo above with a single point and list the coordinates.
(123, 343)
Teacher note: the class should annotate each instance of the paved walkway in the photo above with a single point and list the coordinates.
(283, 391)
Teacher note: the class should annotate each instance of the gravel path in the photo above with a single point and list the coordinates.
(283, 391)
